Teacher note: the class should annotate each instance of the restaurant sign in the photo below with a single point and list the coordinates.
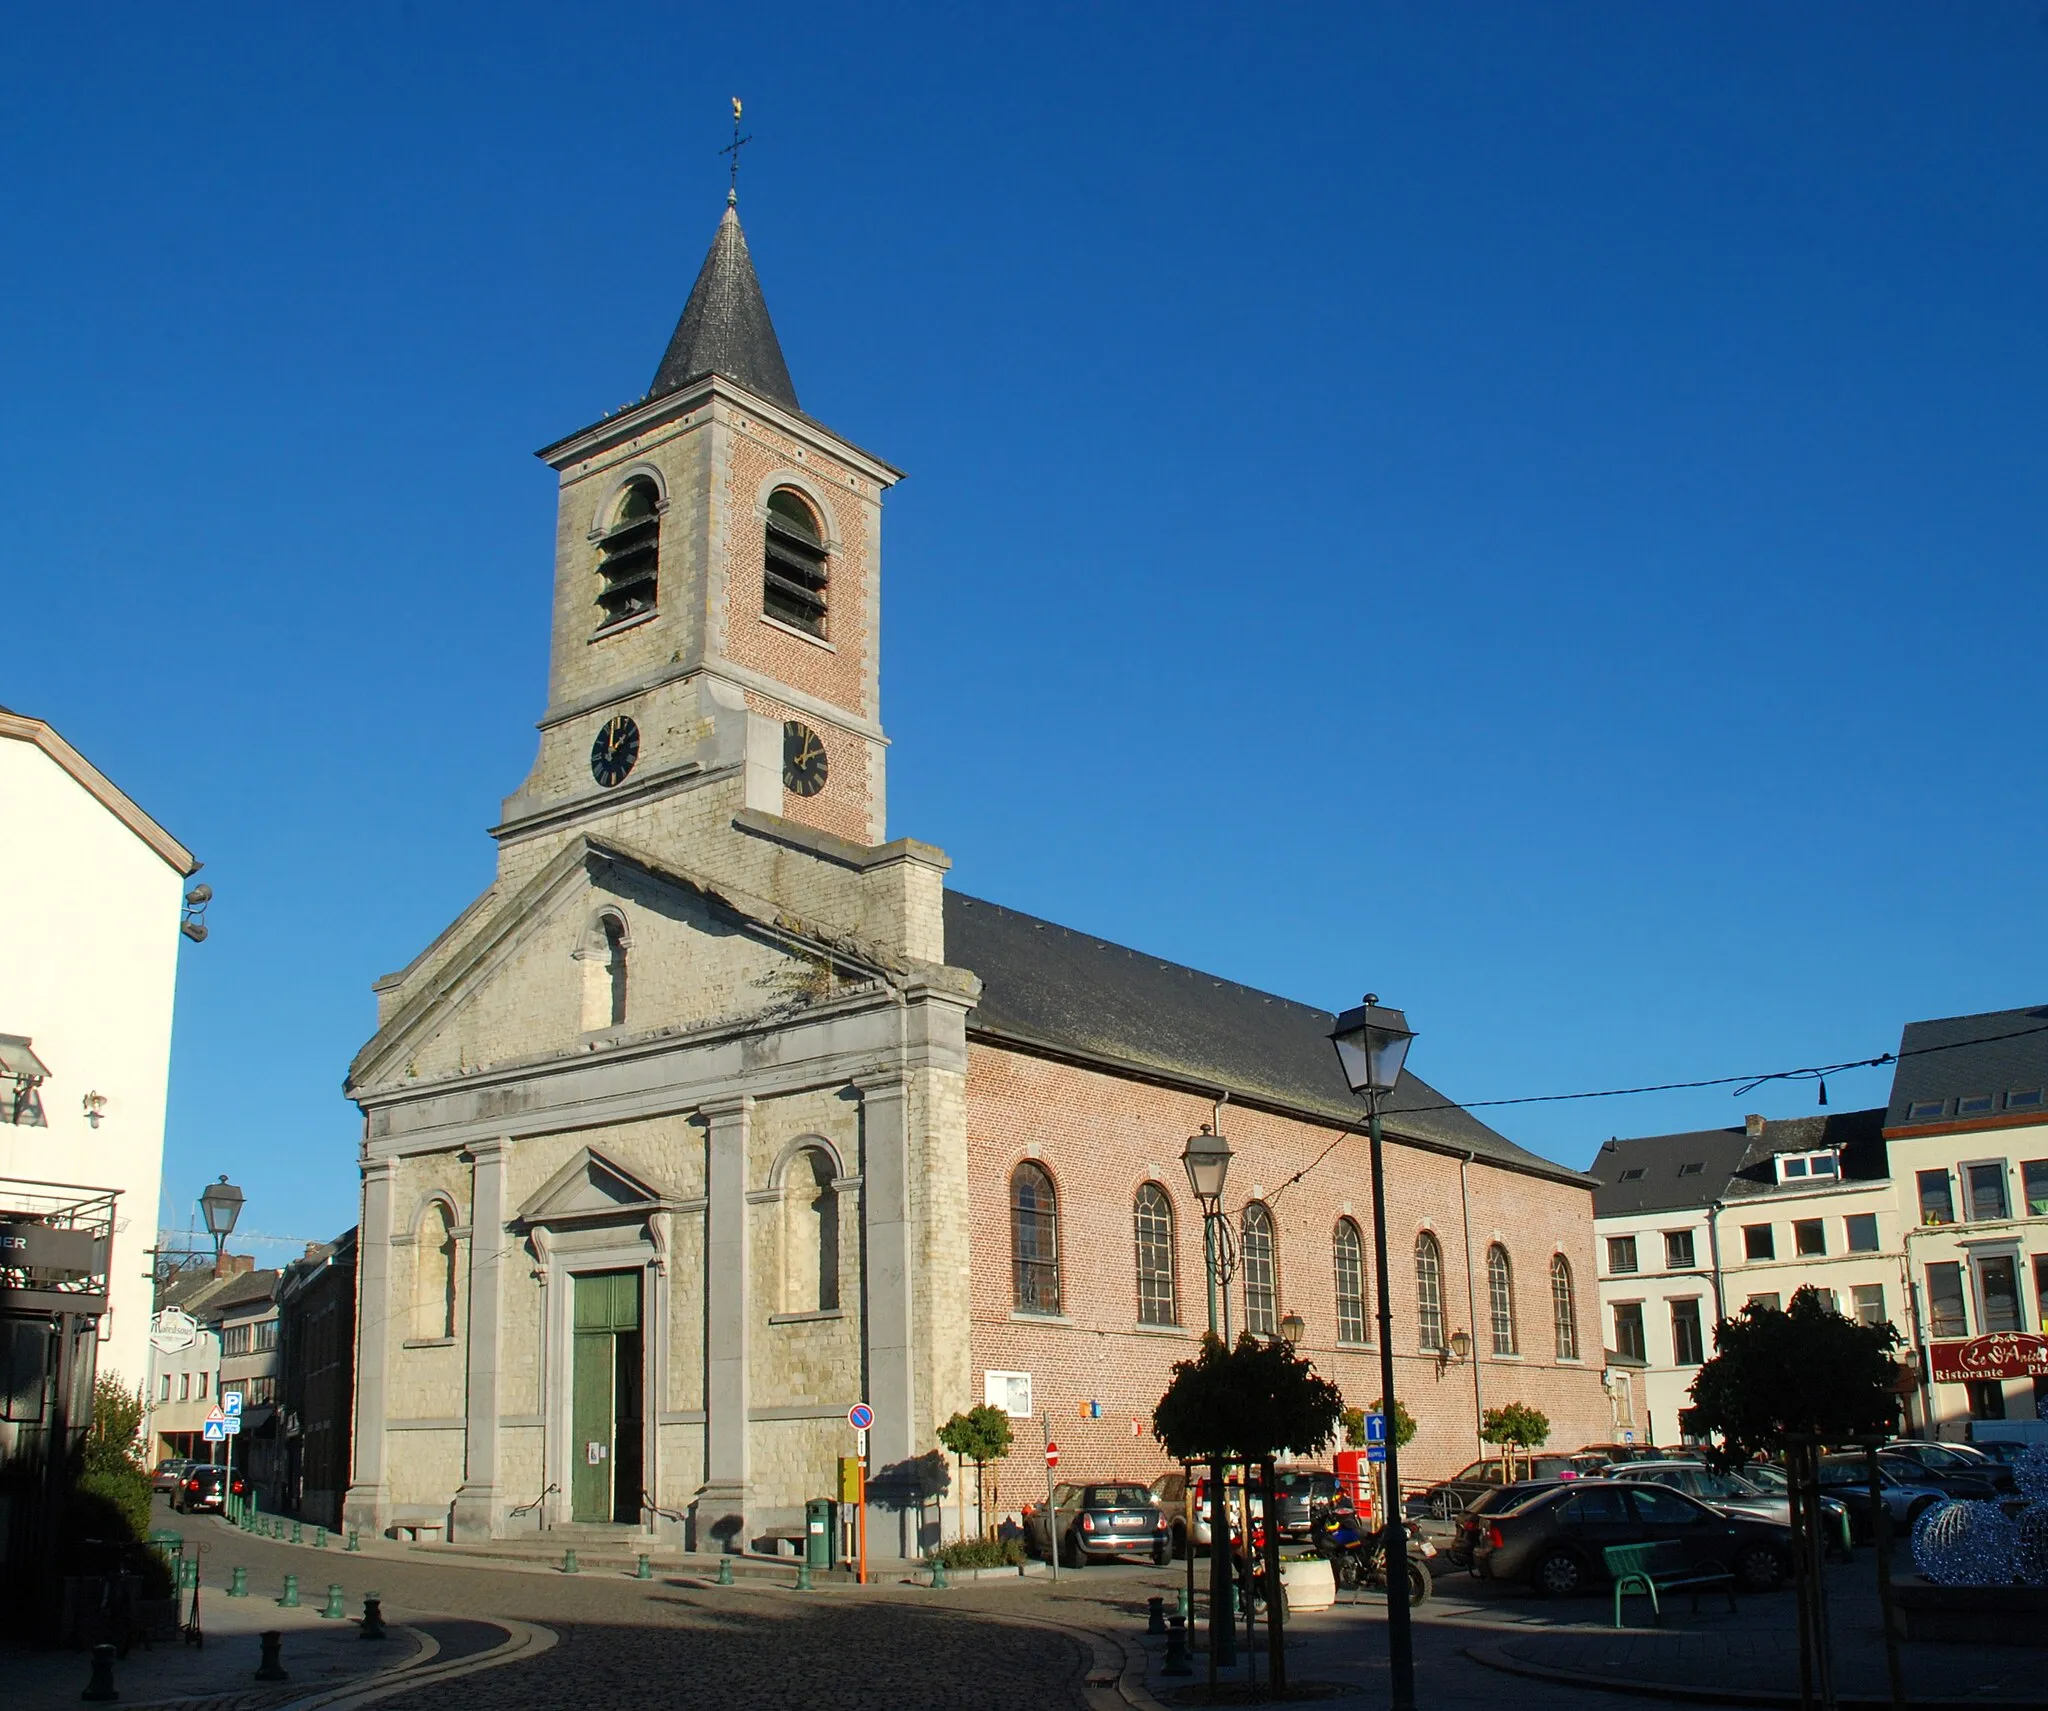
(2004, 1354)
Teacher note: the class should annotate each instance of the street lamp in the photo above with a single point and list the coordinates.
(1454, 1353)
(222, 1205)
(1293, 1327)
(1206, 1158)
(1371, 1043)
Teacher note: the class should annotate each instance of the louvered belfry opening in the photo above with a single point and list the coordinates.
(629, 561)
(793, 573)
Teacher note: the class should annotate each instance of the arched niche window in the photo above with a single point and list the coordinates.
(1500, 1299)
(1152, 1220)
(1261, 1273)
(604, 956)
(1429, 1292)
(1348, 1249)
(629, 554)
(433, 1295)
(810, 1234)
(793, 567)
(1034, 1240)
(1564, 1308)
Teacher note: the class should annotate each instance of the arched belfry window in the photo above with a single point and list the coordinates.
(1034, 1240)
(810, 1230)
(793, 567)
(433, 1296)
(1261, 1273)
(1500, 1299)
(615, 968)
(1152, 1218)
(1429, 1293)
(1564, 1307)
(629, 554)
(1349, 1254)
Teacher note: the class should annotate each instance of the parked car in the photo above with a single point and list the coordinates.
(1555, 1540)
(1614, 1455)
(205, 1487)
(2005, 1451)
(168, 1473)
(1106, 1519)
(1303, 1495)
(1437, 1507)
(1907, 1490)
(1186, 1520)
(1953, 1461)
(1734, 1494)
(1495, 1500)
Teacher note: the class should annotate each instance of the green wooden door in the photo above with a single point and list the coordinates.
(607, 1307)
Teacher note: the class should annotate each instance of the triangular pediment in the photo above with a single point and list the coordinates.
(588, 1188)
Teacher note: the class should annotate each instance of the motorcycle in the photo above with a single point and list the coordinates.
(1357, 1554)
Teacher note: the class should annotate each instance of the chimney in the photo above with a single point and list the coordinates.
(1754, 1123)
(233, 1265)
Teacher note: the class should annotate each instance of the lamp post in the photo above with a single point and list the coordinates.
(222, 1205)
(1206, 1158)
(1371, 1043)
(1293, 1327)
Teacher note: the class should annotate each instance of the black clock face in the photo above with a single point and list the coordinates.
(804, 766)
(616, 749)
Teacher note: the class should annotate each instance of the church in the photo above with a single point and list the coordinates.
(721, 1110)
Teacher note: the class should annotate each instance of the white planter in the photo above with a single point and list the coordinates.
(1310, 1585)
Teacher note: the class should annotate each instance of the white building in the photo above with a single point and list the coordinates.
(93, 892)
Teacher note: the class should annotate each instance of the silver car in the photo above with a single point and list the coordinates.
(1757, 1498)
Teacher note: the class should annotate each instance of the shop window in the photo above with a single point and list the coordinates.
(1987, 1398)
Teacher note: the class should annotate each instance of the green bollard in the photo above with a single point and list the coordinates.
(725, 1571)
(290, 1600)
(355, 1540)
(295, 1533)
(1184, 1605)
(803, 1576)
(319, 1538)
(272, 1667)
(373, 1618)
(941, 1582)
(646, 1569)
(334, 1611)
(238, 1583)
(569, 1564)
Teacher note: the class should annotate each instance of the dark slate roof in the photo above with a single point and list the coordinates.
(1730, 1164)
(1665, 1185)
(252, 1288)
(1047, 987)
(1935, 1064)
(725, 327)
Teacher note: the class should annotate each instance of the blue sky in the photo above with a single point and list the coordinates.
(1535, 510)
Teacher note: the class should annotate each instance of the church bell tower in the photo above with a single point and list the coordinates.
(717, 596)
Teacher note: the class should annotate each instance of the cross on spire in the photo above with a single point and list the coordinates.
(732, 196)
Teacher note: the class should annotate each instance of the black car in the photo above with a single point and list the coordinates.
(1946, 1462)
(1955, 1481)
(1496, 1499)
(206, 1487)
(1110, 1519)
(1305, 1493)
(1556, 1540)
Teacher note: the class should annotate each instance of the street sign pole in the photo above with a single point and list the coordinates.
(1052, 1460)
(860, 1417)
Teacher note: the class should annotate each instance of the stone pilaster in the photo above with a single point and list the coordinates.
(368, 1504)
(477, 1503)
(887, 1313)
(720, 1518)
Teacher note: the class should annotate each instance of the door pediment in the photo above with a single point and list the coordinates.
(591, 1189)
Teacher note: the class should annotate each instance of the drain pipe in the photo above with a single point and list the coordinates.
(1471, 1305)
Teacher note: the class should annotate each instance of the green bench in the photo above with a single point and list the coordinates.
(1662, 1567)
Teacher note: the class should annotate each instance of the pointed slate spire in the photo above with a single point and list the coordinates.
(725, 327)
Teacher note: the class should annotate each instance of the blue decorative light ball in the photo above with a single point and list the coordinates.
(1967, 1544)
(2030, 1474)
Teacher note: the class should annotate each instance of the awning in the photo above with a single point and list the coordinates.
(256, 1422)
(18, 1060)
